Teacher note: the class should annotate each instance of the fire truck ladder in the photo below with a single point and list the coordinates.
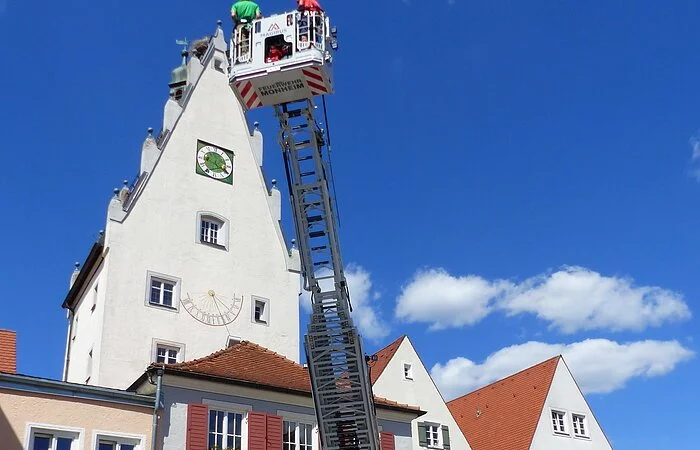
(340, 383)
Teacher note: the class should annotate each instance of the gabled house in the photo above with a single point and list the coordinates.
(248, 397)
(539, 408)
(399, 374)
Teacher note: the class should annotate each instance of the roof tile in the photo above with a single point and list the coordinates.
(513, 404)
(252, 363)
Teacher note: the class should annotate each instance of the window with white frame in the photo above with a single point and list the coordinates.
(212, 229)
(297, 435)
(225, 430)
(41, 439)
(433, 435)
(407, 371)
(261, 310)
(559, 422)
(580, 426)
(167, 354)
(163, 290)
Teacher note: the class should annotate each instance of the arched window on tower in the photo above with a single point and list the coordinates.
(212, 230)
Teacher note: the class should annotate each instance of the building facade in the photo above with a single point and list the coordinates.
(248, 397)
(41, 414)
(193, 255)
(399, 375)
(539, 408)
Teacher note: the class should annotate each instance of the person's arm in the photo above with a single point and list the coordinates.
(258, 14)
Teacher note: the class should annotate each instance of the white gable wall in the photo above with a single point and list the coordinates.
(160, 234)
(420, 392)
(564, 395)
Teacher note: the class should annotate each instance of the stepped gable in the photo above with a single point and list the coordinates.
(383, 357)
(250, 363)
(514, 403)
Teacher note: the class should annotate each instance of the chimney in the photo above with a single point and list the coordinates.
(8, 351)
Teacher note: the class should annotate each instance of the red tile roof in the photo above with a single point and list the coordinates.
(383, 357)
(504, 415)
(251, 363)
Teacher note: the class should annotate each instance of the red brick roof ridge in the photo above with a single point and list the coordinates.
(186, 364)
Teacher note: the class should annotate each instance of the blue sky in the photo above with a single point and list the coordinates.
(528, 169)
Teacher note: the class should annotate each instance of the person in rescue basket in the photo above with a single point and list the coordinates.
(243, 12)
(309, 5)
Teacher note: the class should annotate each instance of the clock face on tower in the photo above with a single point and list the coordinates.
(214, 162)
(211, 308)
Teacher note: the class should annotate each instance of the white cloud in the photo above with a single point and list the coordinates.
(598, 365)
(363, 299)
(575, 299)
(695, 157)
(436, 297)
(571, 300)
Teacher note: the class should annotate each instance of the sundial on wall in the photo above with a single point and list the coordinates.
(212, 308)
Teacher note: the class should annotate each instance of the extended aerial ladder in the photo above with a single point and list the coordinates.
(340, 381)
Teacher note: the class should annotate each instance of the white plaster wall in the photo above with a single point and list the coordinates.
(564, 395)
(89, 330)
(160, 234)
(420, 392)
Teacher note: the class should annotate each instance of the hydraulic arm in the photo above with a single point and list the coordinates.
(340, 382)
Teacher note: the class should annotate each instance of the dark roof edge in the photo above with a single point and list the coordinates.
(92, 260)
(255, 385)
(61, 388)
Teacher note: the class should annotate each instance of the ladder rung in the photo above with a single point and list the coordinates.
(321, 263)
(315, 234)
(306, 174)
(300, 127)
(313, 219)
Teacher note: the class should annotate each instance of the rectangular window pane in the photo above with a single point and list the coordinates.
(127, 447)
(42, 442)
(155, 291)
(63, 443)
(168, 294)
(107, 446)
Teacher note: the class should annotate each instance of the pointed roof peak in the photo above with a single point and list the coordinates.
(514, 403)
(383, 357)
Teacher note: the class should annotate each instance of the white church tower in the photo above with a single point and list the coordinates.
(193, 256)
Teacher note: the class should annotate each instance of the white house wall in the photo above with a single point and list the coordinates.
(160, 235)
(174, 421)
(564, 395)
(420, 392)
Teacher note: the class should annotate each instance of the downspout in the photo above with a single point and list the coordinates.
(69, 340)
(156, 408)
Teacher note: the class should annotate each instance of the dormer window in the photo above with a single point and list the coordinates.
(212, 230)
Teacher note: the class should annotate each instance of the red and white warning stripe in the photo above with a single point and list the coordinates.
(314, 80)
(248, 94)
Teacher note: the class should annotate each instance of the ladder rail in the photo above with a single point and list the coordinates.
(340, 381)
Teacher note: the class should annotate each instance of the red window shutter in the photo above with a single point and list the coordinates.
(386, 440)
(274, 432)
(257, 431)
(197, 426)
